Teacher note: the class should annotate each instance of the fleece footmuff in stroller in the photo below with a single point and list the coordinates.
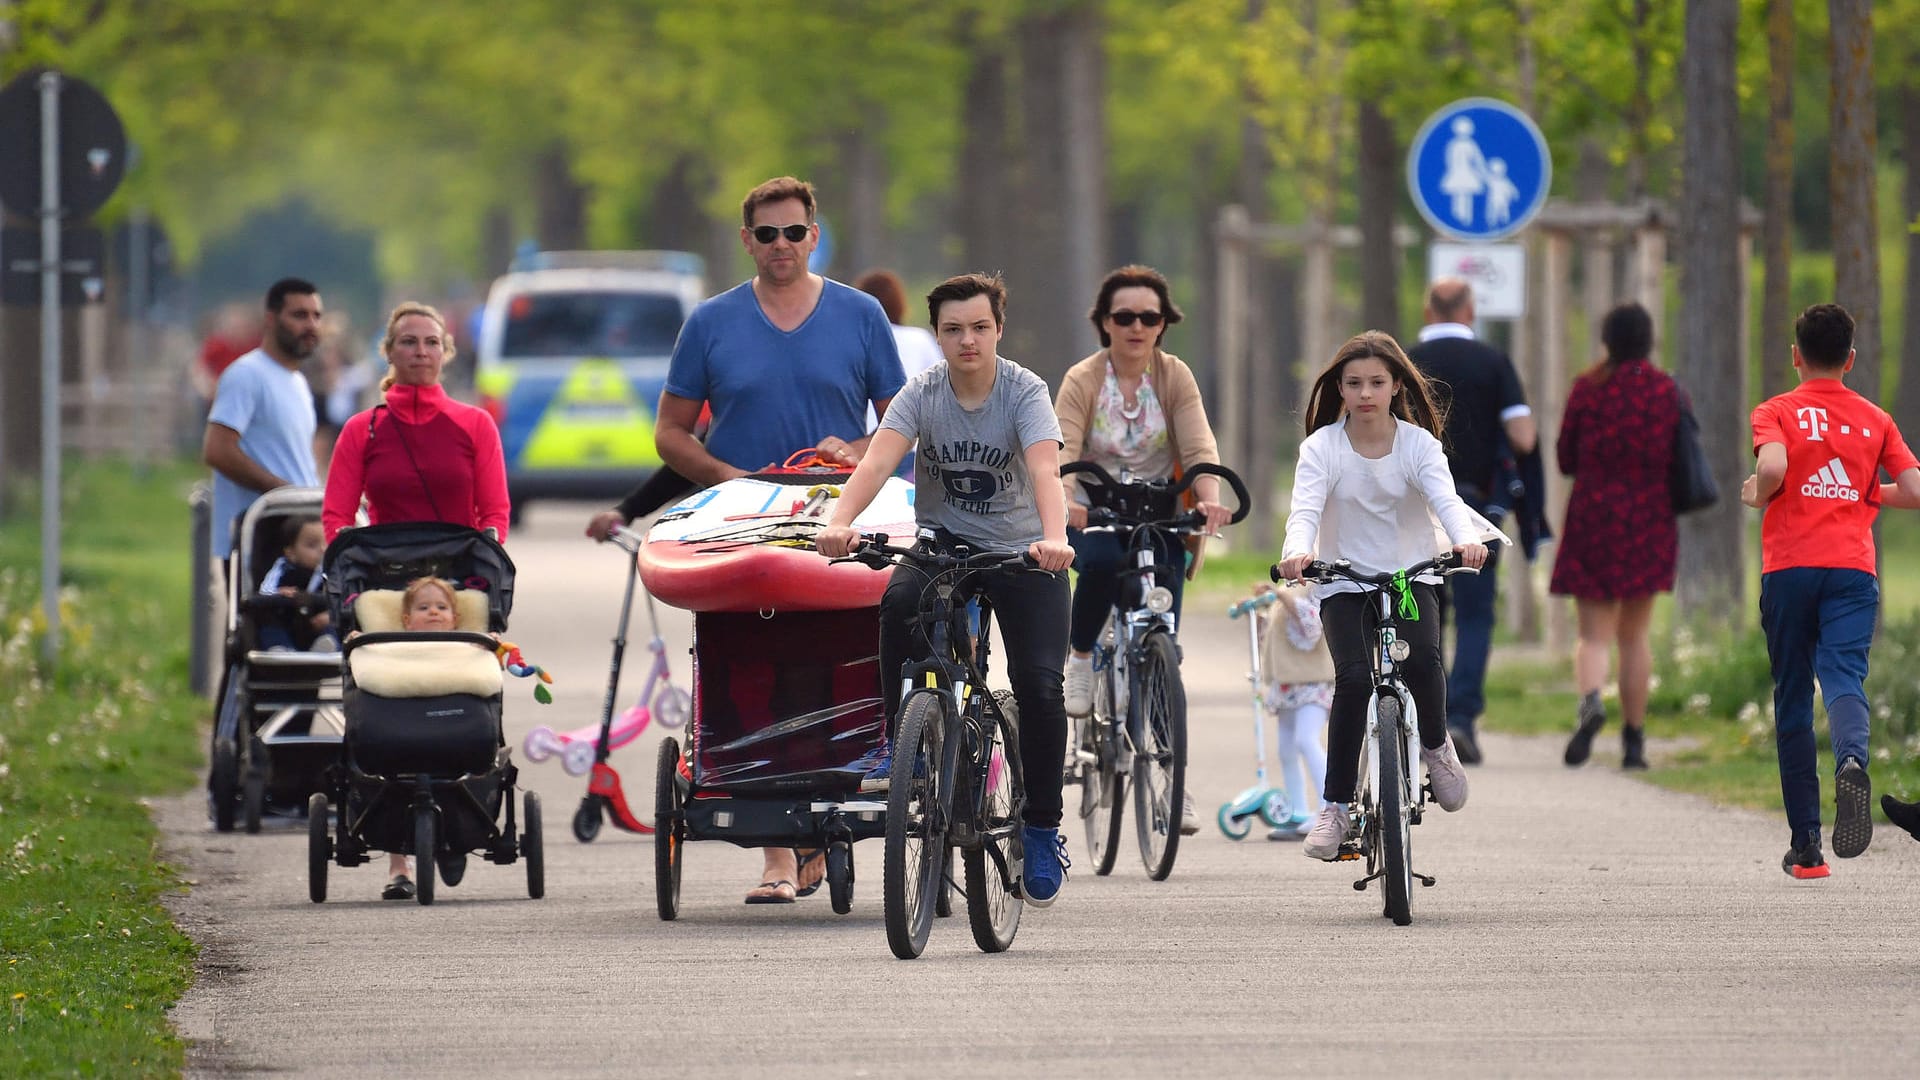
(425, 771)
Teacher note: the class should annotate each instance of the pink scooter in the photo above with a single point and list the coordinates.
(586, 750)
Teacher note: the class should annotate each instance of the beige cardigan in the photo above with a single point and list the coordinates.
(1189, 435)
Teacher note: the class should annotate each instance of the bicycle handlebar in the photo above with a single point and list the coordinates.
(1252, 604)
(1187, 522)
(875, 552)
(1321, 573)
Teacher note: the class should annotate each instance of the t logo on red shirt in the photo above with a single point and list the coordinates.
(1813, 422)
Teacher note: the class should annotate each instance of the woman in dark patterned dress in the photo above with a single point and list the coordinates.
(1619, 543)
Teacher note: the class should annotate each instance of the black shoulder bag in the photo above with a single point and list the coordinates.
(1690, 483)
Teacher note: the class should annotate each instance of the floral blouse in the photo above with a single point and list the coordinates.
(1135, 439)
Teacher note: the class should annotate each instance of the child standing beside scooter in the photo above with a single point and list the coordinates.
(1296, 676)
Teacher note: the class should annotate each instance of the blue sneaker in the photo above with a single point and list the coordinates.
(879, 778)
(1045, 872)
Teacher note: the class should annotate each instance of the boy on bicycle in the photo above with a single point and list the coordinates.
(1371, 484)
(988, 473)
(1819, 449)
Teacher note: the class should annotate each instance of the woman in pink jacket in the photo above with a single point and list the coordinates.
(419, 455)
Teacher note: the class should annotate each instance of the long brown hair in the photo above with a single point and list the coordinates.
(1414, 403)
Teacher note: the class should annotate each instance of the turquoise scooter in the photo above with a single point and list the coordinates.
(1262, 800)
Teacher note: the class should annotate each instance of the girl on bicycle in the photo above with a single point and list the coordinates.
(1372, 487)
(988, 474)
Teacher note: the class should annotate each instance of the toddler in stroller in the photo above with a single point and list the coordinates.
(425, 769)
(303, 622)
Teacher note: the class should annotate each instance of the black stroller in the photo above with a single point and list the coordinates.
(279, 724)
(425, 770)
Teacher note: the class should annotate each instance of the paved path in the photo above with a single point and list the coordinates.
(1584, 924)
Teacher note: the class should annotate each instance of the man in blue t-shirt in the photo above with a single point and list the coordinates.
(260, 430)
(788, 361)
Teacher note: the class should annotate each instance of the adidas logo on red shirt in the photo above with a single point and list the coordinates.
(1831, 482)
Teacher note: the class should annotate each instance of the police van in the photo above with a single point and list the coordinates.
(572, 354)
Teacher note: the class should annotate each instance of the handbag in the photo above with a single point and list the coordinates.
(1690, 484)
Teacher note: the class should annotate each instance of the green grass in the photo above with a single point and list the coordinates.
(89, 960)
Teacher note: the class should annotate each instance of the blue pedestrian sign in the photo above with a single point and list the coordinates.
(1479, 169)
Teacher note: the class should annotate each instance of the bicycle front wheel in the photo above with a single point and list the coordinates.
(911, 875)
(1395, 832)
(1160, 754)
(992, 908)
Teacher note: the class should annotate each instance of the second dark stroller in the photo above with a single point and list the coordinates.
(425, 770)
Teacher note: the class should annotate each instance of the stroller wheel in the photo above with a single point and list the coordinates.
(533, 848)
(840, 876)
(223, 783)
(255, 799)
(586, 820)
(423, 853)
(319, 847)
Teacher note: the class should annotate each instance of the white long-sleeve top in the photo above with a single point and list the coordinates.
(1380, 514)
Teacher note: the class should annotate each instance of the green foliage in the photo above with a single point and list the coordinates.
(89, 960)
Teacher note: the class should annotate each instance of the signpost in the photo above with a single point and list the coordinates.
(82, 156)
(1497, 272)
(1479, 170)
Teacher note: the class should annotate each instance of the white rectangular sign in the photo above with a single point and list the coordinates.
(1497, 272)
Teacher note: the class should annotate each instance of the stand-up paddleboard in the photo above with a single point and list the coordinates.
(747, 545)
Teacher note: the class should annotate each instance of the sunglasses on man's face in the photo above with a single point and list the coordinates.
(794, 233)
(1126, 318)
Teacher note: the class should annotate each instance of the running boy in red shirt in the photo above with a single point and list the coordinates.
(1820, 449)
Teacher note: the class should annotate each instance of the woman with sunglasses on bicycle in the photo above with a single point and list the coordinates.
(1136, 407)
(1372, 487)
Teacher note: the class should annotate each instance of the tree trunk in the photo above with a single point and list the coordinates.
(561, 202)
(1062, 190)
(1776, 362)
(1380, 179)
(1268, 396)
(1640, 105)
(1856, 231)
(988, 159)
(865, 243)
(1906, 400)
(496, 242)
(1711, 583)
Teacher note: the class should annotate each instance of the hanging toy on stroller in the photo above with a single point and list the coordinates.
(586, 750)
(1267, 802)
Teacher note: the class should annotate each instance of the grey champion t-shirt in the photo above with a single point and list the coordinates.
(971, 476)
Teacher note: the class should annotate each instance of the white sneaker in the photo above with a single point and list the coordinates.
(1079, 685)
(1323, 840)
(1446, 775)
(1189, 817)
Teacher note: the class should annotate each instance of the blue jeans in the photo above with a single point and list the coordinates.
(1097, 558)
(1473, 616)
(1819, 624)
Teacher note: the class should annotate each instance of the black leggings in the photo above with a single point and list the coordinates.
(1348, 619)
(1031, 611)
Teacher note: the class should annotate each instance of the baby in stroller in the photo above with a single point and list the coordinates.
(304, 623)
(425, 771)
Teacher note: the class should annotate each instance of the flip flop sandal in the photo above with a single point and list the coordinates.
(802, 858)
(400, 888)
(776, 897)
